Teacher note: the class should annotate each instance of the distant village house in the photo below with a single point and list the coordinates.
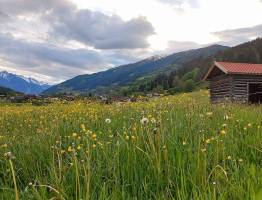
(238, 82)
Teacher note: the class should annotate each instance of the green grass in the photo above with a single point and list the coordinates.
(189, 149)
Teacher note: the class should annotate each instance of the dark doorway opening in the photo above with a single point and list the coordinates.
(255, 93)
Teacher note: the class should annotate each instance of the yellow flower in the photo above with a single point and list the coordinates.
(94, 136)
(223, 132)
(94, 145)
(78, 147)
(83, 127)
(70, 149)
(74, 134)
(127, 137)
(133, 137)
(4, 146)
(208, 141)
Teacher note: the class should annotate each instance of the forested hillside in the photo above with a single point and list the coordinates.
(189, 77)
(8, 92)
(113, 80)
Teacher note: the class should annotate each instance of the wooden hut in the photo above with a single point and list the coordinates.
(241, 82)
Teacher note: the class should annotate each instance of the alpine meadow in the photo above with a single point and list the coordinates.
(130, 100)
(174, 147)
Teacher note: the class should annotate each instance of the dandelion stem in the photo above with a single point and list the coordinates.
(14, 180)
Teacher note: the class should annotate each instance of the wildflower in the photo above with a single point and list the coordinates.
(184, 143)
(153, 120)
(94, 136)
(203, 150)
(209, 114)
(74, 134)
(127, 137)
(208, 141)
(223, 132)
(144, 121)
(69, 149)
(226, 117)
(4, 146)
(133, 137)
(111, 136)
(9, 155)
(240, 160)
(108, 121)
(224, 125)
(94, 145)
(83, 127)
(229, 157)
(249, 125)
(78, 147)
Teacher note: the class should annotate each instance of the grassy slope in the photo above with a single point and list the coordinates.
(182, 153)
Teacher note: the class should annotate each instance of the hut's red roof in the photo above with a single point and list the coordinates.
(239, 68)
(236, 68)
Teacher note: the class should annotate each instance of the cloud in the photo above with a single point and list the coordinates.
(102, 31)
(55, 61)
(25, 7)
(37, 36)
(236, 36)
(178, 46)
(192, 3)
(88, 27)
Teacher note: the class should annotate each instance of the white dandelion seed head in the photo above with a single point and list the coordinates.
(144, 121)
(108, 121)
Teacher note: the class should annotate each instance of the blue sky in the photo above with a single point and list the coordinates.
(54, 40)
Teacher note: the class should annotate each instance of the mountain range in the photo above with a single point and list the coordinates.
(104, 81)
(178, 72)
(21, 83)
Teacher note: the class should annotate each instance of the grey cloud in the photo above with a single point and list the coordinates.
(102, 31)
(24, 7)
(54, 61)
(236, 36)
(85, 26)
(88, 27)
(119, 41)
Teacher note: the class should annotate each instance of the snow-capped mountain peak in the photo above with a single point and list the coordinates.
(21, 83)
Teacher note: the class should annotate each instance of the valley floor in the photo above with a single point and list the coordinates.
(177, 147)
